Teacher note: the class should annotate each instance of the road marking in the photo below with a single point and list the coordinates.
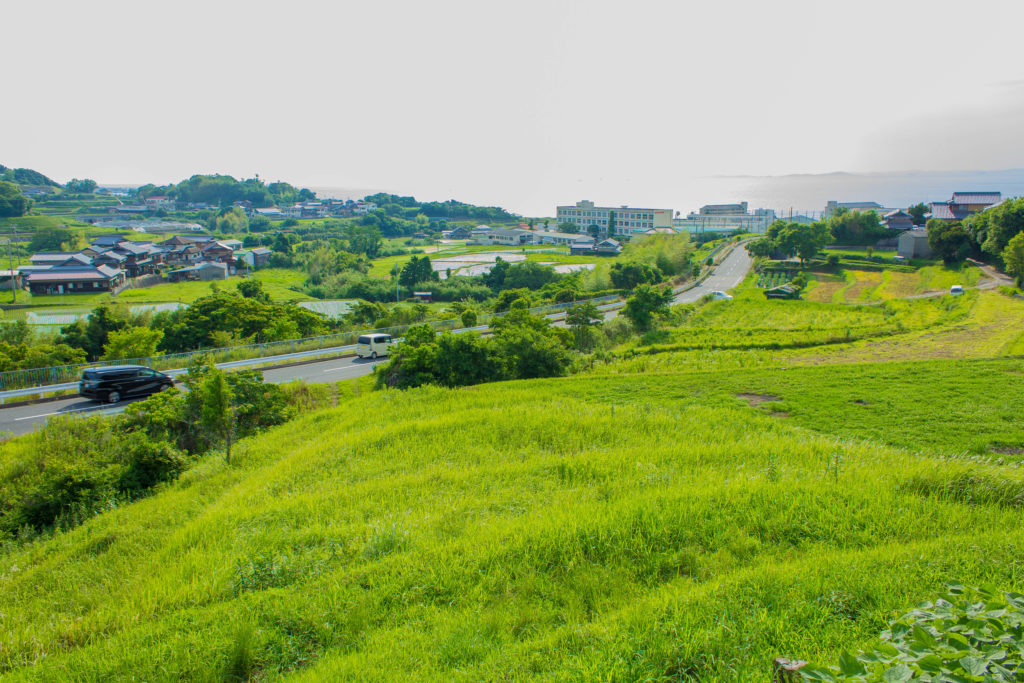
(59, 412)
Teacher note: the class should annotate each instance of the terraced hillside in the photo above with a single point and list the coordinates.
(670, 525)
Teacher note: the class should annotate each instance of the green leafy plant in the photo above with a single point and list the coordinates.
(971, 634)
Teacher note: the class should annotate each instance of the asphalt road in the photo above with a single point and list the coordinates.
(23, 419)
(729, 273)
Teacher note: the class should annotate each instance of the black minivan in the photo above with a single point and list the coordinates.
(114, 382)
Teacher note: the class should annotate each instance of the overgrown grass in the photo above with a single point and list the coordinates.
(635, 527)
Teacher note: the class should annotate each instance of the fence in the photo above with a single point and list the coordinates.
(60, 374)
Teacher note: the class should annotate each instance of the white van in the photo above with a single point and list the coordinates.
(373, 345)
(956, 290)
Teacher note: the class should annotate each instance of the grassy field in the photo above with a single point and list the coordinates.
(758, 479)
(642, 527)
(865, 284)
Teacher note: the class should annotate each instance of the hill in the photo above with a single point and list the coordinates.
(638, 526)
(25, 176)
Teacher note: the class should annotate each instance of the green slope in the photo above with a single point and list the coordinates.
(634, 527)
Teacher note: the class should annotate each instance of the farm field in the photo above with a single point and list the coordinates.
(854, 285)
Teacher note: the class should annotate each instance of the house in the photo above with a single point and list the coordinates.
(5, 279)
(423, 297)
(234, 245)
(50, 258)
(964, 204)
(204, 271)
(75, 280)
(260, 257)
(459, 233)
(271, 214)
(138, 257)
(913, 244)
(161, 202)
(107, 241)
(898, 220)
(363, 208)
(110, 258)
(583, 246)
(218, 252)
(608, 247)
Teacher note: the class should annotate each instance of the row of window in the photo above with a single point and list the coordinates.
(604, 215)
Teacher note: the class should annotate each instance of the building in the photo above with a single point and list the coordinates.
(627, 220)
(260, 256)
(913, 244)
(725, 218)
(204, 271)
(503, 236)
(271, 214)
(75, 279)
(898, 220)
(832, 206)
(563, 239)
(459, 233)
(964, 204)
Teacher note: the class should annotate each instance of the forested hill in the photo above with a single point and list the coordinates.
(25, 176)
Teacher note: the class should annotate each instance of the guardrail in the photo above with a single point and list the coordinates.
(63, 376)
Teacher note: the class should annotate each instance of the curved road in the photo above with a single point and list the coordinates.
(21, 419)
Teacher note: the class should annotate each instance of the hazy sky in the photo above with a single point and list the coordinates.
(523, 104)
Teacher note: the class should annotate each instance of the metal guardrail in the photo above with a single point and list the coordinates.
(56, 378)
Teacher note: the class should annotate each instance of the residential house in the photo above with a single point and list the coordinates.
(913, 244)
(234, 245)
(509, 238)
(964, 204)
(5, 279)
(138, 257)
(75, 279)
(898, 220)
(161, 202)
(260, 256)
(50, 258)
(273, 214)
(459, 233)
(218, 252)
(363, 208)
(586, 246)
(107, 241)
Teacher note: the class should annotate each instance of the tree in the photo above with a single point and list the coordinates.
(282, 245)
(233, 220)
(630, 275)
(84, 186)
(133, 342)
(581, 319)
(949, 241)
(570, 228)
(418, 269)
(51, 239)
(468, 318)
(1003, 223)
(647, 302)
(803, 240)
(253, 289)
(12, 203)
(611, 223)
(218, 409)
(917, 213)
(594, 230)
(1013, 258)
(760, 247)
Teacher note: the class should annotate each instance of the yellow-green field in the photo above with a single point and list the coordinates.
(853, 285)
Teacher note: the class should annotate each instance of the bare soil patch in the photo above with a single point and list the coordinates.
(754, 400)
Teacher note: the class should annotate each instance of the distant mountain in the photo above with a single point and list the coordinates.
(25, 176)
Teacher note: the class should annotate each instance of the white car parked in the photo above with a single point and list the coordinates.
(956, 290)
(718, 295)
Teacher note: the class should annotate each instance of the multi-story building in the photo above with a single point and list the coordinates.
(627, 220)
(725, 218)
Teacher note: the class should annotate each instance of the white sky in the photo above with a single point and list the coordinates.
(523, 104)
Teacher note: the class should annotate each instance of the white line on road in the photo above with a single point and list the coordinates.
(58, 412)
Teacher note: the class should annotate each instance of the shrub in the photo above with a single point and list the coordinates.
(971, 634)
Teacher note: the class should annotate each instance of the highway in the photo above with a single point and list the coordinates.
(23, 419)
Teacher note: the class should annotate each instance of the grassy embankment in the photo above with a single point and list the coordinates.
(649, 522)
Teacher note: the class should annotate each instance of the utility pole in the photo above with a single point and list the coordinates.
(10, 264)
